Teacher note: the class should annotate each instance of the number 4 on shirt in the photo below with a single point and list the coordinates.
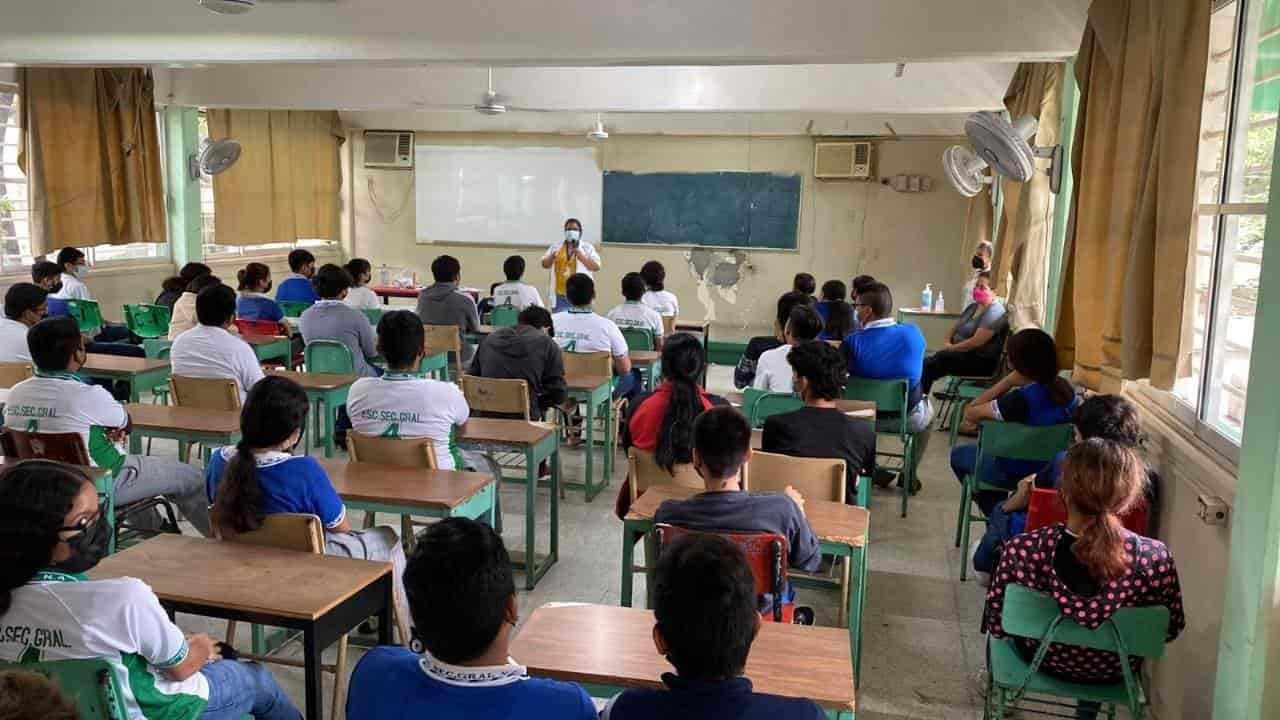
(392, 431)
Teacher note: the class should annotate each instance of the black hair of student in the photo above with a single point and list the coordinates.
(32, 696)
(654, 275)
(722, 437)
(446, 269)
(1109, 417)
(275, 408)
(216, 305)
(580, 289)
(45, 269)
(879, 297)
(204, 281)
(298, 258)
(633, 287)
(704, 602)
(35, 497)
(189, 272)
(69, 255)
(458, 582)
(861, 283)
(358, 267)
(682, 364)
(513, 268)
(401, 338)
(805, 283)
(822, 365)
(985, 275)
(834, 290)
(21, 297)
(535, 316)
(575, 221)
(805, 322)
(840, 314)
(252, 274)
(53, 341)
(1033, 353)
(788, 302)
(331, 280)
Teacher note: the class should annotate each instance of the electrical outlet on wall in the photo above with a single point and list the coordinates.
(1213, 510)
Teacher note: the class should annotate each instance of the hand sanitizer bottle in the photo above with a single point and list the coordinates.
(940, 305)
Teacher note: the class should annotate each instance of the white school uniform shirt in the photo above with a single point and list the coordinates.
(581, 330)
(59, 402)
(13, 341)
(402, 405)
(207, 351)
(664, 301)
(58, 616)
(73, 289)
(637, 315)
(516, 294)
(362, 298)
(773, 372)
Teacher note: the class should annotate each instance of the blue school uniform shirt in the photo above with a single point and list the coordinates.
(290, 484)
(884, 350)
(256, 306)
(296, 288)
(1031, 405)
(392, 683)
(57, 307)
(711, 700)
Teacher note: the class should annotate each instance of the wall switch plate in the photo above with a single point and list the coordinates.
(1213, 510)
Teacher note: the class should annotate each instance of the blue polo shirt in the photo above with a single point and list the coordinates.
(255, 306)
(290, 484)
(296, 288)
(712, 700)
(884, 350)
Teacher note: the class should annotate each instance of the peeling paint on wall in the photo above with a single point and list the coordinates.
(718, 271)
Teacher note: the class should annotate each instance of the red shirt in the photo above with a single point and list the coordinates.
(646, 420)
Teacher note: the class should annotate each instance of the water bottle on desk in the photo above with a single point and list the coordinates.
(941, 304)
(926, 298)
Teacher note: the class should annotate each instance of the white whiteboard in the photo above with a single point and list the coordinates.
(507, 196)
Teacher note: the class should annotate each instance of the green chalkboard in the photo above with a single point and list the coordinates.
(712, 209)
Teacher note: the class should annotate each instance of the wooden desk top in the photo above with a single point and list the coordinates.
(394, 485)
(317, 381)
(264, 339)
(392, 291)
(645, 357)
(249, 578)
(93, 472)
(122, 365)
(170, 417)
(614, 646)
(831, 521)
(586, 383)
(515, 432)
(694, 325)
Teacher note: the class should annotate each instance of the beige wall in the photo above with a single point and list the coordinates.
(846, 228)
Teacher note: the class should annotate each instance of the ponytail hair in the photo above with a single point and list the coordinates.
(252, 274)
(839, 312)
(1033, 353)
(682, 363)
(1102, 480)
(275, 408)
(35, 497)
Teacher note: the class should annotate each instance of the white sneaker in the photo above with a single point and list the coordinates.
(983, 578)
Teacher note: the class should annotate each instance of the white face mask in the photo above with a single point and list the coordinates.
(82, 271)
(572, 235)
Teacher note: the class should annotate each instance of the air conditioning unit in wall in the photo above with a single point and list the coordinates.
(384, 149)
(842, 161)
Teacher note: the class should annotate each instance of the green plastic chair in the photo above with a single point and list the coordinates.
(293, 308)
(328, 356)
(1007, 441)
(374, 315)
(156, 347)
(504, 315)
(890, 397)
(638, 338)
(1131, 632)
(87, 315)
(148, 321)
(758, 405)
(88, 683)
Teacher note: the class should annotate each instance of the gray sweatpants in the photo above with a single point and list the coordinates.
(144, 476)
(377, 543)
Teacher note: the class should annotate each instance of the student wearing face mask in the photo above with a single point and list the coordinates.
(52, 532)
(24, 306)
(570, 258)
(980, 262)
(112, 338)
(975, 341)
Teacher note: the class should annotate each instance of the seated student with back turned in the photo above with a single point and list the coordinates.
(402, 404)
(259, 476)
(705, 621)
(820, 429)
(860, 284)
(296, 286)
(773, 372)
(255, 304)
(633, 312)
(514, 291)
(359, 296)
(332, 319)
(442, 303)
(173, 287)
(56, 401)
(112, 338)
(184, 315)
(462, 597)
(1091, 566)
(24, 306)
(837, 315)
(52, 533)
(209, 350)
(526, 352)
(805, 283)
(581, 330)
(656, 295)
(745, 372)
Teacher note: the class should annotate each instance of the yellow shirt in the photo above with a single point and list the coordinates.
(566, 265)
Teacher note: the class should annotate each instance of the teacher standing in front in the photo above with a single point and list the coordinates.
(574, 255)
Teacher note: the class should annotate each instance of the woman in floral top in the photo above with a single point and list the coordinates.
(1091, 566)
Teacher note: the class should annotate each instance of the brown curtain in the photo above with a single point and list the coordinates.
(1021, 265)
(287, 182)
(1141, 70)
(91, 154)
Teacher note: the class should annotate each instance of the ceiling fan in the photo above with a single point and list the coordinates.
(1003, 146)
(491, 102)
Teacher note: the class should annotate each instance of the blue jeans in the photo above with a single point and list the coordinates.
(994, 471)
(628, 385)
(239, 688)
(1001, 526)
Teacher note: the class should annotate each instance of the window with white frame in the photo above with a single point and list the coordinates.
(1237, 141)
(213, 250)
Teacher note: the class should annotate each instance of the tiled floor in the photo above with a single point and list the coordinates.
(921, 645)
